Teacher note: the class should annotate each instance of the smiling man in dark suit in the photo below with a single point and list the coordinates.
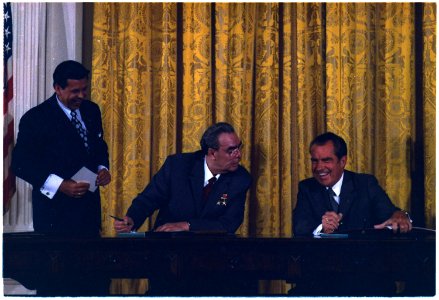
(360, 202)
(49, 151)
(335, 200)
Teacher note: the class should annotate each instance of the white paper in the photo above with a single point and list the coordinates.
(85, 175)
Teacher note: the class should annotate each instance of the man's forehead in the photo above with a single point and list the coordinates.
(322, 150)
(77, 81)
(227, 138)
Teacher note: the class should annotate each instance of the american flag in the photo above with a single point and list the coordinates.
(8, 125)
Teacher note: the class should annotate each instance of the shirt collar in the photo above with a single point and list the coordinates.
(67, 110)
(337, 187)
(207, 173)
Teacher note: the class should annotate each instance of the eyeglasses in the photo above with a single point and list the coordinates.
(234, 151)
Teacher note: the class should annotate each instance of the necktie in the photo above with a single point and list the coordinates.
(331, 195)
(81, 131)
(208, 188)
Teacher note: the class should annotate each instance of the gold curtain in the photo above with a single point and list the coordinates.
(280, 73)
(428, 113)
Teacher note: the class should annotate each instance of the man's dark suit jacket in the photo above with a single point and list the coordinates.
(176, 190)
(363, 204)
(47, 143)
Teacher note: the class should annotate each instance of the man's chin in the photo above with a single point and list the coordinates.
(233, 168)
(322, 181)
(75, 105)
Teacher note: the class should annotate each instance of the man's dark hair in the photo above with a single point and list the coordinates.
(210, 136)
(69, 69)
(340, 148)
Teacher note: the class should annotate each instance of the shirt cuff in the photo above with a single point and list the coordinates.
(318, 230)
(102, 167)
(51, 186)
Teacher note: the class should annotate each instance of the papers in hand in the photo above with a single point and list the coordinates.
(85, 175)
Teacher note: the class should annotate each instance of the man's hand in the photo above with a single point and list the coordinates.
(331, 221)
(399, 220)
(74, 189)
(103, 178)
(179, 226)
(123, 226)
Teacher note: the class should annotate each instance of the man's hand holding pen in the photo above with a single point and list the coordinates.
(124, 224)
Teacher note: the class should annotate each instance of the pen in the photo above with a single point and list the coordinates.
(120, 219)
(117, 218)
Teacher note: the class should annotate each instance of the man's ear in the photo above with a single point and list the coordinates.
(343, 161)
(211, 152)
(57, 88)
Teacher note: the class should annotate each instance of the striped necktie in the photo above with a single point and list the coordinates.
(331, 195)
(81, 131)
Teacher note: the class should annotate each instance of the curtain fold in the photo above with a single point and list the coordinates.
(280, 73)
(429, 21)
(234, 39)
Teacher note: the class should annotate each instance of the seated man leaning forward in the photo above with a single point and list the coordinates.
(199, 191)
(336, 199)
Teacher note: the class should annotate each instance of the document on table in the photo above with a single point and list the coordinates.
(85, 175)
(334, 235)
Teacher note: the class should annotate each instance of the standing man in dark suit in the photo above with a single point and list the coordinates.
(359, 201)
(178, 191)
(337, 200)
(50, 150)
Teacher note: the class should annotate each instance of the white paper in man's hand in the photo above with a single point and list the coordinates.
(85, 175)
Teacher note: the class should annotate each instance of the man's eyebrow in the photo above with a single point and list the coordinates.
(235, 147)
(324, 158)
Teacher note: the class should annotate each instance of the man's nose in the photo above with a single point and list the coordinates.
(238, 153)
(317, 165)
(82, 95)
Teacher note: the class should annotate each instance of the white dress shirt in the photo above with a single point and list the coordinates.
(337, 190)
(208, 174)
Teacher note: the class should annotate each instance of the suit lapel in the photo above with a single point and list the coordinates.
(59, 117)
(87, 118)
(320, 198)
(196, 179)
(218, 188)
(66, 129)
(64, 140)
(347, 194)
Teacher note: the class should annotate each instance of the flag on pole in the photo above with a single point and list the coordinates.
(8, 120)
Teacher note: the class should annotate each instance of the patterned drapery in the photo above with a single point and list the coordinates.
(280, 73)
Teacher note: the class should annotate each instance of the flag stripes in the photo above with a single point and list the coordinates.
(8, 125)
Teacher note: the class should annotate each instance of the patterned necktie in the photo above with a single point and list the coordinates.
(208, 188)
(81, 131)
(331, 195)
